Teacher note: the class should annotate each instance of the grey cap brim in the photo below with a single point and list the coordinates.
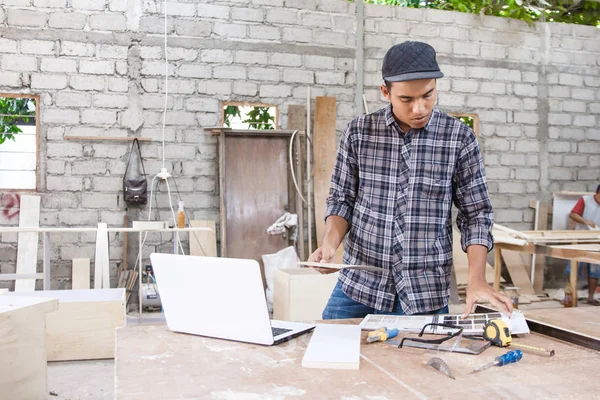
(413, 76)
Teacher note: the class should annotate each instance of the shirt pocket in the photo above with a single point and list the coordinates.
(435, 183)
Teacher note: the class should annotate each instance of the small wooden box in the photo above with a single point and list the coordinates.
(84, 326)
(23, 373)
(301, 294)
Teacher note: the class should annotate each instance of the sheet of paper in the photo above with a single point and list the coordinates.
(333, 346)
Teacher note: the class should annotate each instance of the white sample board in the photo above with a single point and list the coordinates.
(102, 261)
(27, 250)
(472, 325)
(80, 273)
(333, 346)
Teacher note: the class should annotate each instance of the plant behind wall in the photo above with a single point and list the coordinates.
(14, 111)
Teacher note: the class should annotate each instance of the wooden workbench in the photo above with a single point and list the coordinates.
(155, 363)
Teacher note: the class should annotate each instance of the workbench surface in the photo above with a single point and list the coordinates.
(155, 363)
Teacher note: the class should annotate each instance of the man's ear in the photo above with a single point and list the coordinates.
(385, 92)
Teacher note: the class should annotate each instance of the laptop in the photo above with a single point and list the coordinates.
(218, 297)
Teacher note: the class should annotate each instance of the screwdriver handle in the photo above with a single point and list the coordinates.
(392, 333)
(510, 357)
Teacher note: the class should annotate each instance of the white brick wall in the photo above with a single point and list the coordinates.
(97, 77)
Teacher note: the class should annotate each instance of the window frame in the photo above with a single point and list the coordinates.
(248, 104)
(36, 97)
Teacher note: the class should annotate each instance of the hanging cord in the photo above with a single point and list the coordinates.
(291, 152)
(164, 124)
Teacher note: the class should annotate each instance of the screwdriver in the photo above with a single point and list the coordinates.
(507, 358)
(381, 335)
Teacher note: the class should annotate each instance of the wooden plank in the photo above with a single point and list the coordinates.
(573, 280)
(497, 267)
(253, 201)
(324, 154)
(27, 250)
(297, 120)
(210, 368)
(81, 273)
(84, 326)
(101, 263)
(222, 194)
(580, 320)
(108, 138)
(23, 347)
(517, 265)
(17, 277)
(540, 261)
(203, 243)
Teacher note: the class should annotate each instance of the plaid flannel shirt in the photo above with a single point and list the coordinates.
(396, 191)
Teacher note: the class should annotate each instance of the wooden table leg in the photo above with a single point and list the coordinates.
(497, 267)
(573, 280)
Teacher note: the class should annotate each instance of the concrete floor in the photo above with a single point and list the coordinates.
(79, 380)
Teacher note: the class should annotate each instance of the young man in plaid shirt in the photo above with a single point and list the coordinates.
(397, 173)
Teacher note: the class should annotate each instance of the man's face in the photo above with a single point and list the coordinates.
(412, 102)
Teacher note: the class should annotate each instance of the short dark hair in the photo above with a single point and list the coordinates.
(598, 189)
(388, 85)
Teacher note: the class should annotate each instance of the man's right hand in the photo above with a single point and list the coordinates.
(591, 224)
(323, 254)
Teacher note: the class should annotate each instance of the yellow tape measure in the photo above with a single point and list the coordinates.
(497, 332)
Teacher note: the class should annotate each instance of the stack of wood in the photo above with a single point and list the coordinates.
(127, 280)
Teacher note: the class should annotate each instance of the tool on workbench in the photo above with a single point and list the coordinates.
(381, 335)
(507, 358)
(441, 366)
(497, 332)
(441, 344)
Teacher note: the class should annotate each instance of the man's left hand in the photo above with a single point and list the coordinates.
(478, 289)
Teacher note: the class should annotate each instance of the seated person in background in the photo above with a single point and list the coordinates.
(586, 215)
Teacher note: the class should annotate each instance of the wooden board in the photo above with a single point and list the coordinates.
(581, 320)
(81, 273)
(23, 347)
(102, 260)
(333, 346)
(517, 264)
(187, 366)
(27, 250)
(84, 326)
(301, 294)
(297, 120)
(256, 194)
(203, 243)
(541, 224)
(324, 155)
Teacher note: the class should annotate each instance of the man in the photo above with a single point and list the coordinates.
(397, 173)
(586, 215)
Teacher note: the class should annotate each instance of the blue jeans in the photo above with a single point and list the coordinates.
(341, 306)
(593, 270)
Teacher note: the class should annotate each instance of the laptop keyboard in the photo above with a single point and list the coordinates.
(279, 331)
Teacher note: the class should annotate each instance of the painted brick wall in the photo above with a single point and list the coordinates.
(99, 68)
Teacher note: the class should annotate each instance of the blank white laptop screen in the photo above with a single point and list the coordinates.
(217, 297)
